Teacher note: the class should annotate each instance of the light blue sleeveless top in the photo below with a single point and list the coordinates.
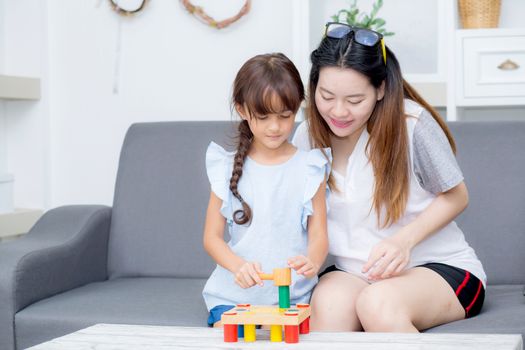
(280, 197)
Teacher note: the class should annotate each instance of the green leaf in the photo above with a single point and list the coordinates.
(380, 22)
(365, 22)
(375, 9)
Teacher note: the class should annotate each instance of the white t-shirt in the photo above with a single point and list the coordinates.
(352, 222)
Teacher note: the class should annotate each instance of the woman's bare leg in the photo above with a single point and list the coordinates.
(333, 302)
(416, 300)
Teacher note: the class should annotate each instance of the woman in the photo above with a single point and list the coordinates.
(402, 264)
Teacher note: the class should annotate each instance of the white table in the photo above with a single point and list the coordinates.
(130, 337)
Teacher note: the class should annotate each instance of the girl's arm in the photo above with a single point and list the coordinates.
(246, 273)
(392, 254)
(317, 238)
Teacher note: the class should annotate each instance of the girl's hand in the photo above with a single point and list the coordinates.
(303, 266)
(247, 275)
(389, 257)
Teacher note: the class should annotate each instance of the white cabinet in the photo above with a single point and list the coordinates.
(491, 67)
(19, 88)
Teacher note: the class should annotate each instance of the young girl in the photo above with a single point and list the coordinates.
(402, 264)
(270, 194)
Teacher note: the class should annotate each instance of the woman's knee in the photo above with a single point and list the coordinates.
(333, 307)
(379, 310)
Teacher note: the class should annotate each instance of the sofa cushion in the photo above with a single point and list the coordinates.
(493, 163)
(160, 200)
(503, 312)
(154, 301)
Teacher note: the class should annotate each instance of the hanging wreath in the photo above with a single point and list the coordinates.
(127, 11)
(199, 12)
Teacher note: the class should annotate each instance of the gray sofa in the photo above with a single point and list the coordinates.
(141, 261)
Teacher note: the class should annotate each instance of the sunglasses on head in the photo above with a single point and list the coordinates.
(363, 36)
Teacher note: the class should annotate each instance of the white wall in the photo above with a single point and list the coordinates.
(64, 149)
(3, 134)
(27, 122)
(511, 15)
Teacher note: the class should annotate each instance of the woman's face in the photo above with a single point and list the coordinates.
(345, 99)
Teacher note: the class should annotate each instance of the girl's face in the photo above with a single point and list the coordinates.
(270, 131)
(345, 99)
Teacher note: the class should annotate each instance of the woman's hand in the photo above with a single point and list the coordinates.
(303, 266)
(389, 257)
(247, 275)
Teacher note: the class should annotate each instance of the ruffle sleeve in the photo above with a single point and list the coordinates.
(318, 168)
(219, 163)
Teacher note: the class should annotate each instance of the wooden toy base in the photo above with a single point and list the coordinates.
(243, 319)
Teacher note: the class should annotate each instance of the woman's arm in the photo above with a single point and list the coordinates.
(246, 273)
(317, 238)
(390, 256)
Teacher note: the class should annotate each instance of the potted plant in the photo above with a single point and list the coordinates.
(354, 17)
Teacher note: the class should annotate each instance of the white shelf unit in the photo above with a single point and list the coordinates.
(12, 88)
(19, 88)
(18, 222)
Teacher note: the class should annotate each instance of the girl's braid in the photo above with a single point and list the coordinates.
(243, 215)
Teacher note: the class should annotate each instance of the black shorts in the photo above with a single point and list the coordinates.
(468, 288)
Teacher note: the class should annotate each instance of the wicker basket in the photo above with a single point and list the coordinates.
(479, 13)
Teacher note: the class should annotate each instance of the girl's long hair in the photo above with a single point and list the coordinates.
(387, 147)
(265, 84)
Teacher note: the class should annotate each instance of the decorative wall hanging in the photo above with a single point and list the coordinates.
(125, 8)
(129, 10)
(199, 12)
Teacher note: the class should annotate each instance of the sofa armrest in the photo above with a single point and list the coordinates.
(65, 249)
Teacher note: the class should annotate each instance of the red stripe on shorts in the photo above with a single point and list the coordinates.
(464, 283)
(475, 298)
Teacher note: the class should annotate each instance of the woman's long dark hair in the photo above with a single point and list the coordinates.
(388, 146)
(264, 84)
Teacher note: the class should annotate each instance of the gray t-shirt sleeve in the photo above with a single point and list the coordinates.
(435, 164)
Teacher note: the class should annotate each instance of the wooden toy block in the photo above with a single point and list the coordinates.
(280, 276)
(265, 315)
(240, 331)
(304, 327)
(284, 297)
(291, 334)
(276, 333)
(230, 330)
(249, 333)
